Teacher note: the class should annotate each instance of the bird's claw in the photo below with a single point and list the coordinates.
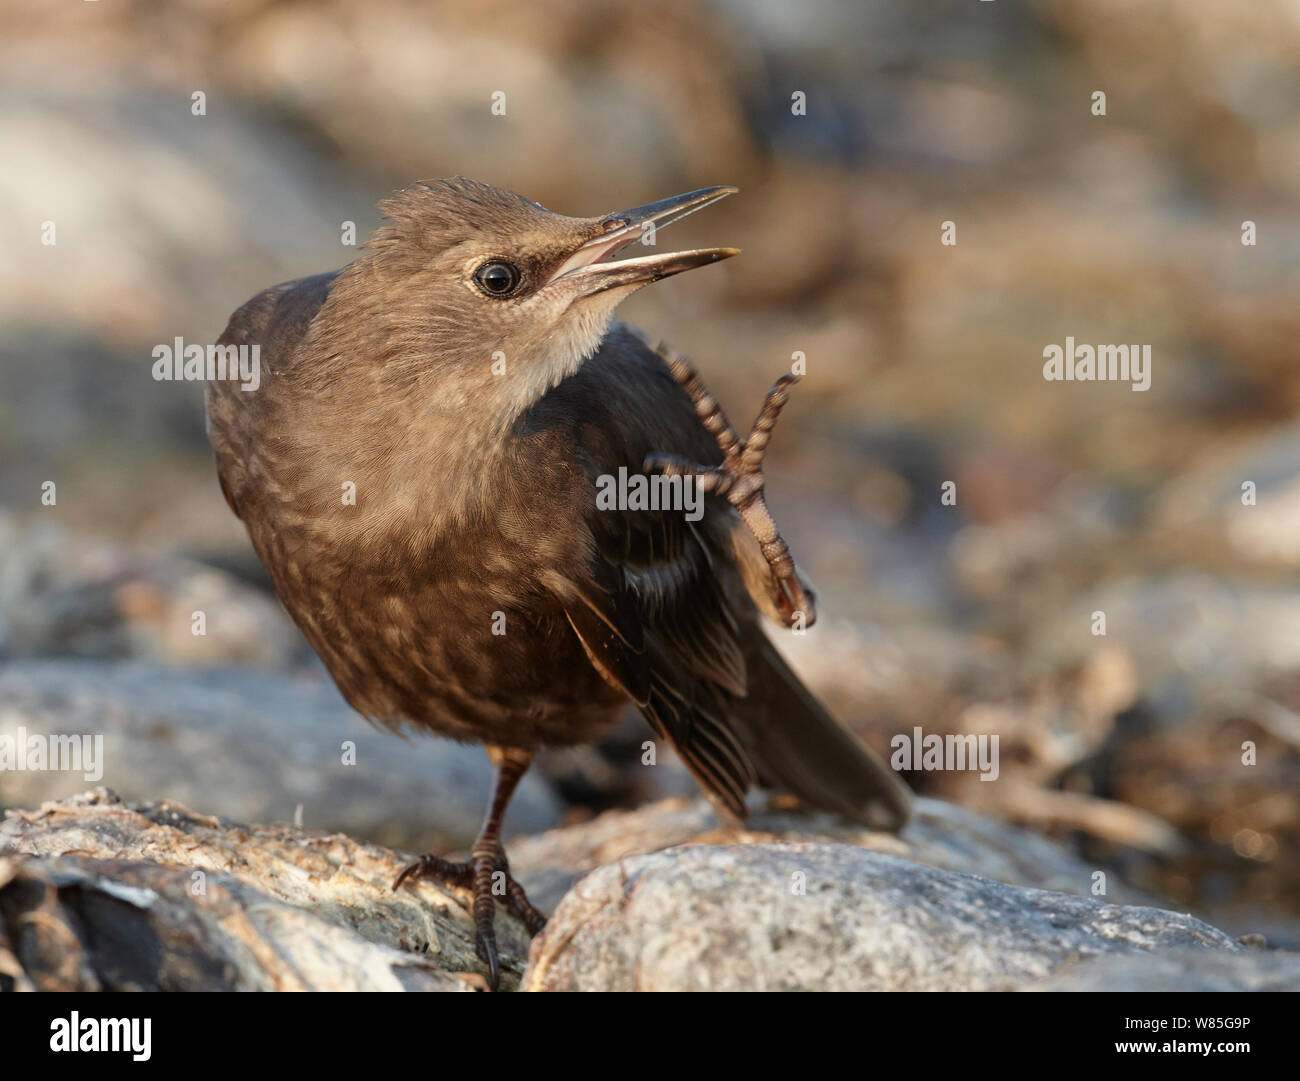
(739, 479)
(479, 875)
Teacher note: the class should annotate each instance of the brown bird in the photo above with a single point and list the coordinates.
(418, 472)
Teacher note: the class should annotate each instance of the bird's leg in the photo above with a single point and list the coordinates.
(739, 479)
(486, 872)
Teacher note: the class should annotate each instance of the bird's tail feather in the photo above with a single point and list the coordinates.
(799, 748)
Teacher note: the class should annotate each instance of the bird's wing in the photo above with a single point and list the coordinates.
(659, 606)
(276, 320)
(663, 632)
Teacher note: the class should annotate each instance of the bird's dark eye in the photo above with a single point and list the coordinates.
(497, 278)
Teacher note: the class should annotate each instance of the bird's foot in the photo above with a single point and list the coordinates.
(740, 479)
(487, 875)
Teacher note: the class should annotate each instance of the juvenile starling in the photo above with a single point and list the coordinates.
(418, 472)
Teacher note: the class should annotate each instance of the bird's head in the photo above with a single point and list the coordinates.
(473, 294)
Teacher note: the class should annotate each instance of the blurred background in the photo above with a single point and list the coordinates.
(924, 366)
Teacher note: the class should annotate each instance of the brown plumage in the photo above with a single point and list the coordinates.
(472, 427)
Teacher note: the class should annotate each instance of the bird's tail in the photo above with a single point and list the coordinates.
(799, 748)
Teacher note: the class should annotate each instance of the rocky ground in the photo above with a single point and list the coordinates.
(99, 894)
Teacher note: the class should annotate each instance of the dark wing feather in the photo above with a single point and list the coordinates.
(654, 622)
(609, 628)
(654, 612)
(702, 671)
(679, 669)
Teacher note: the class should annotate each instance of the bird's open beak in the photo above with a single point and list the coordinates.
(587, 269)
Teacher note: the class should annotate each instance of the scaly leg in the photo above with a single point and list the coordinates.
(740, 477)
(487, 859)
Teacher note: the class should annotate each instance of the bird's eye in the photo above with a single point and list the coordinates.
(497, 279)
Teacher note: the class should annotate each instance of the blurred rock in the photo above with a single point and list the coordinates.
(1202, 514)
(165, 221)
(1191, 636)
(881, 679)
(1199, 970)
(825, 917)
(64, 592)
(257, 747)
(1027, 564)
(405, 88)
(1228, 779)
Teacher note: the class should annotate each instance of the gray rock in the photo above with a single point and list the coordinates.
(63, 592)
(827, 917)
(96, 894)
(114, 925)
(253, 746)
(257, 208)
(940, 835)
(1195, 639)
(1201, 970)
(1203, 508)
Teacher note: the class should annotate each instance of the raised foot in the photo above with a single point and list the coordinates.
(487, 875)
(740, 478)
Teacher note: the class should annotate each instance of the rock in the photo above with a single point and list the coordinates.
(63, 592)
(229, 206)
(940, 835)
(1029, 563)
(1238, 507)
(158, 897)
(99, 894)
(1201, 970)
(112, 925)
(254, 746)
(828, 917)
(1193, 637)
(881, 679)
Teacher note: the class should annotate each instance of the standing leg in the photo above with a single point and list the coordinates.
(486, 872)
